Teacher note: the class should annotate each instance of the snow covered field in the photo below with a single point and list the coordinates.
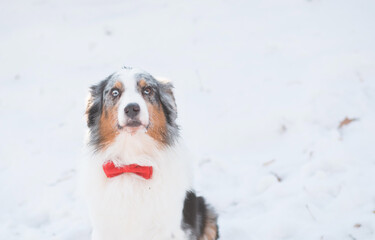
(261, 87)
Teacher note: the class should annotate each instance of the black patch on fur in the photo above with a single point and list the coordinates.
(94, 110)
(168, 102)
(195, 215)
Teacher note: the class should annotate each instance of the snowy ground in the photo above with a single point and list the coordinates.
(261, 87)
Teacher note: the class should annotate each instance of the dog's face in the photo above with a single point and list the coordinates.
(131, 101)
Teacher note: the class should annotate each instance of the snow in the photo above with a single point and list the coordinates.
(261, 88)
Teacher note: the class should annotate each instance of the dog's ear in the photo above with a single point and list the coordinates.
(168, 101)
(95, 103)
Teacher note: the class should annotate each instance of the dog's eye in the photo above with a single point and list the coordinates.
(115, 92)
(147, 90)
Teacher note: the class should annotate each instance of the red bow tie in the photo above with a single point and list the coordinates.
(112, 171)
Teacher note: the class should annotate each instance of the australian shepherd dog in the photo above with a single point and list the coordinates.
(138, 180)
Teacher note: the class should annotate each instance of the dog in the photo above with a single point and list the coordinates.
(138, 180)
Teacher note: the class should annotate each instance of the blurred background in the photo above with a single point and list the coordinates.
(276, 102)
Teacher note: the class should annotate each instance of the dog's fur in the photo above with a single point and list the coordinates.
(128, 207)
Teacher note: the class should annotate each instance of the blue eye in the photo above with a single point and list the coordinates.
(147, 91)
(115, 92)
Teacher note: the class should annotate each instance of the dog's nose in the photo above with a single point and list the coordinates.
(132, 110)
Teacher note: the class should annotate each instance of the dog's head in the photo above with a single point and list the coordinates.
(131, 101)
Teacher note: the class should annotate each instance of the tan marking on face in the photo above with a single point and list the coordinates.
(142, 83)
(108, 125)
(158, 123)
(118, 85)
(210, 230)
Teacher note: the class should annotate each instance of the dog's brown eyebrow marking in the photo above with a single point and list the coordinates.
(119, 85)
(142, 83)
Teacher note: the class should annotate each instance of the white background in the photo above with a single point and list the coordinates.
(261, 88)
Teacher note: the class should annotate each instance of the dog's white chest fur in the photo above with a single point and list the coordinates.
(129, 207)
